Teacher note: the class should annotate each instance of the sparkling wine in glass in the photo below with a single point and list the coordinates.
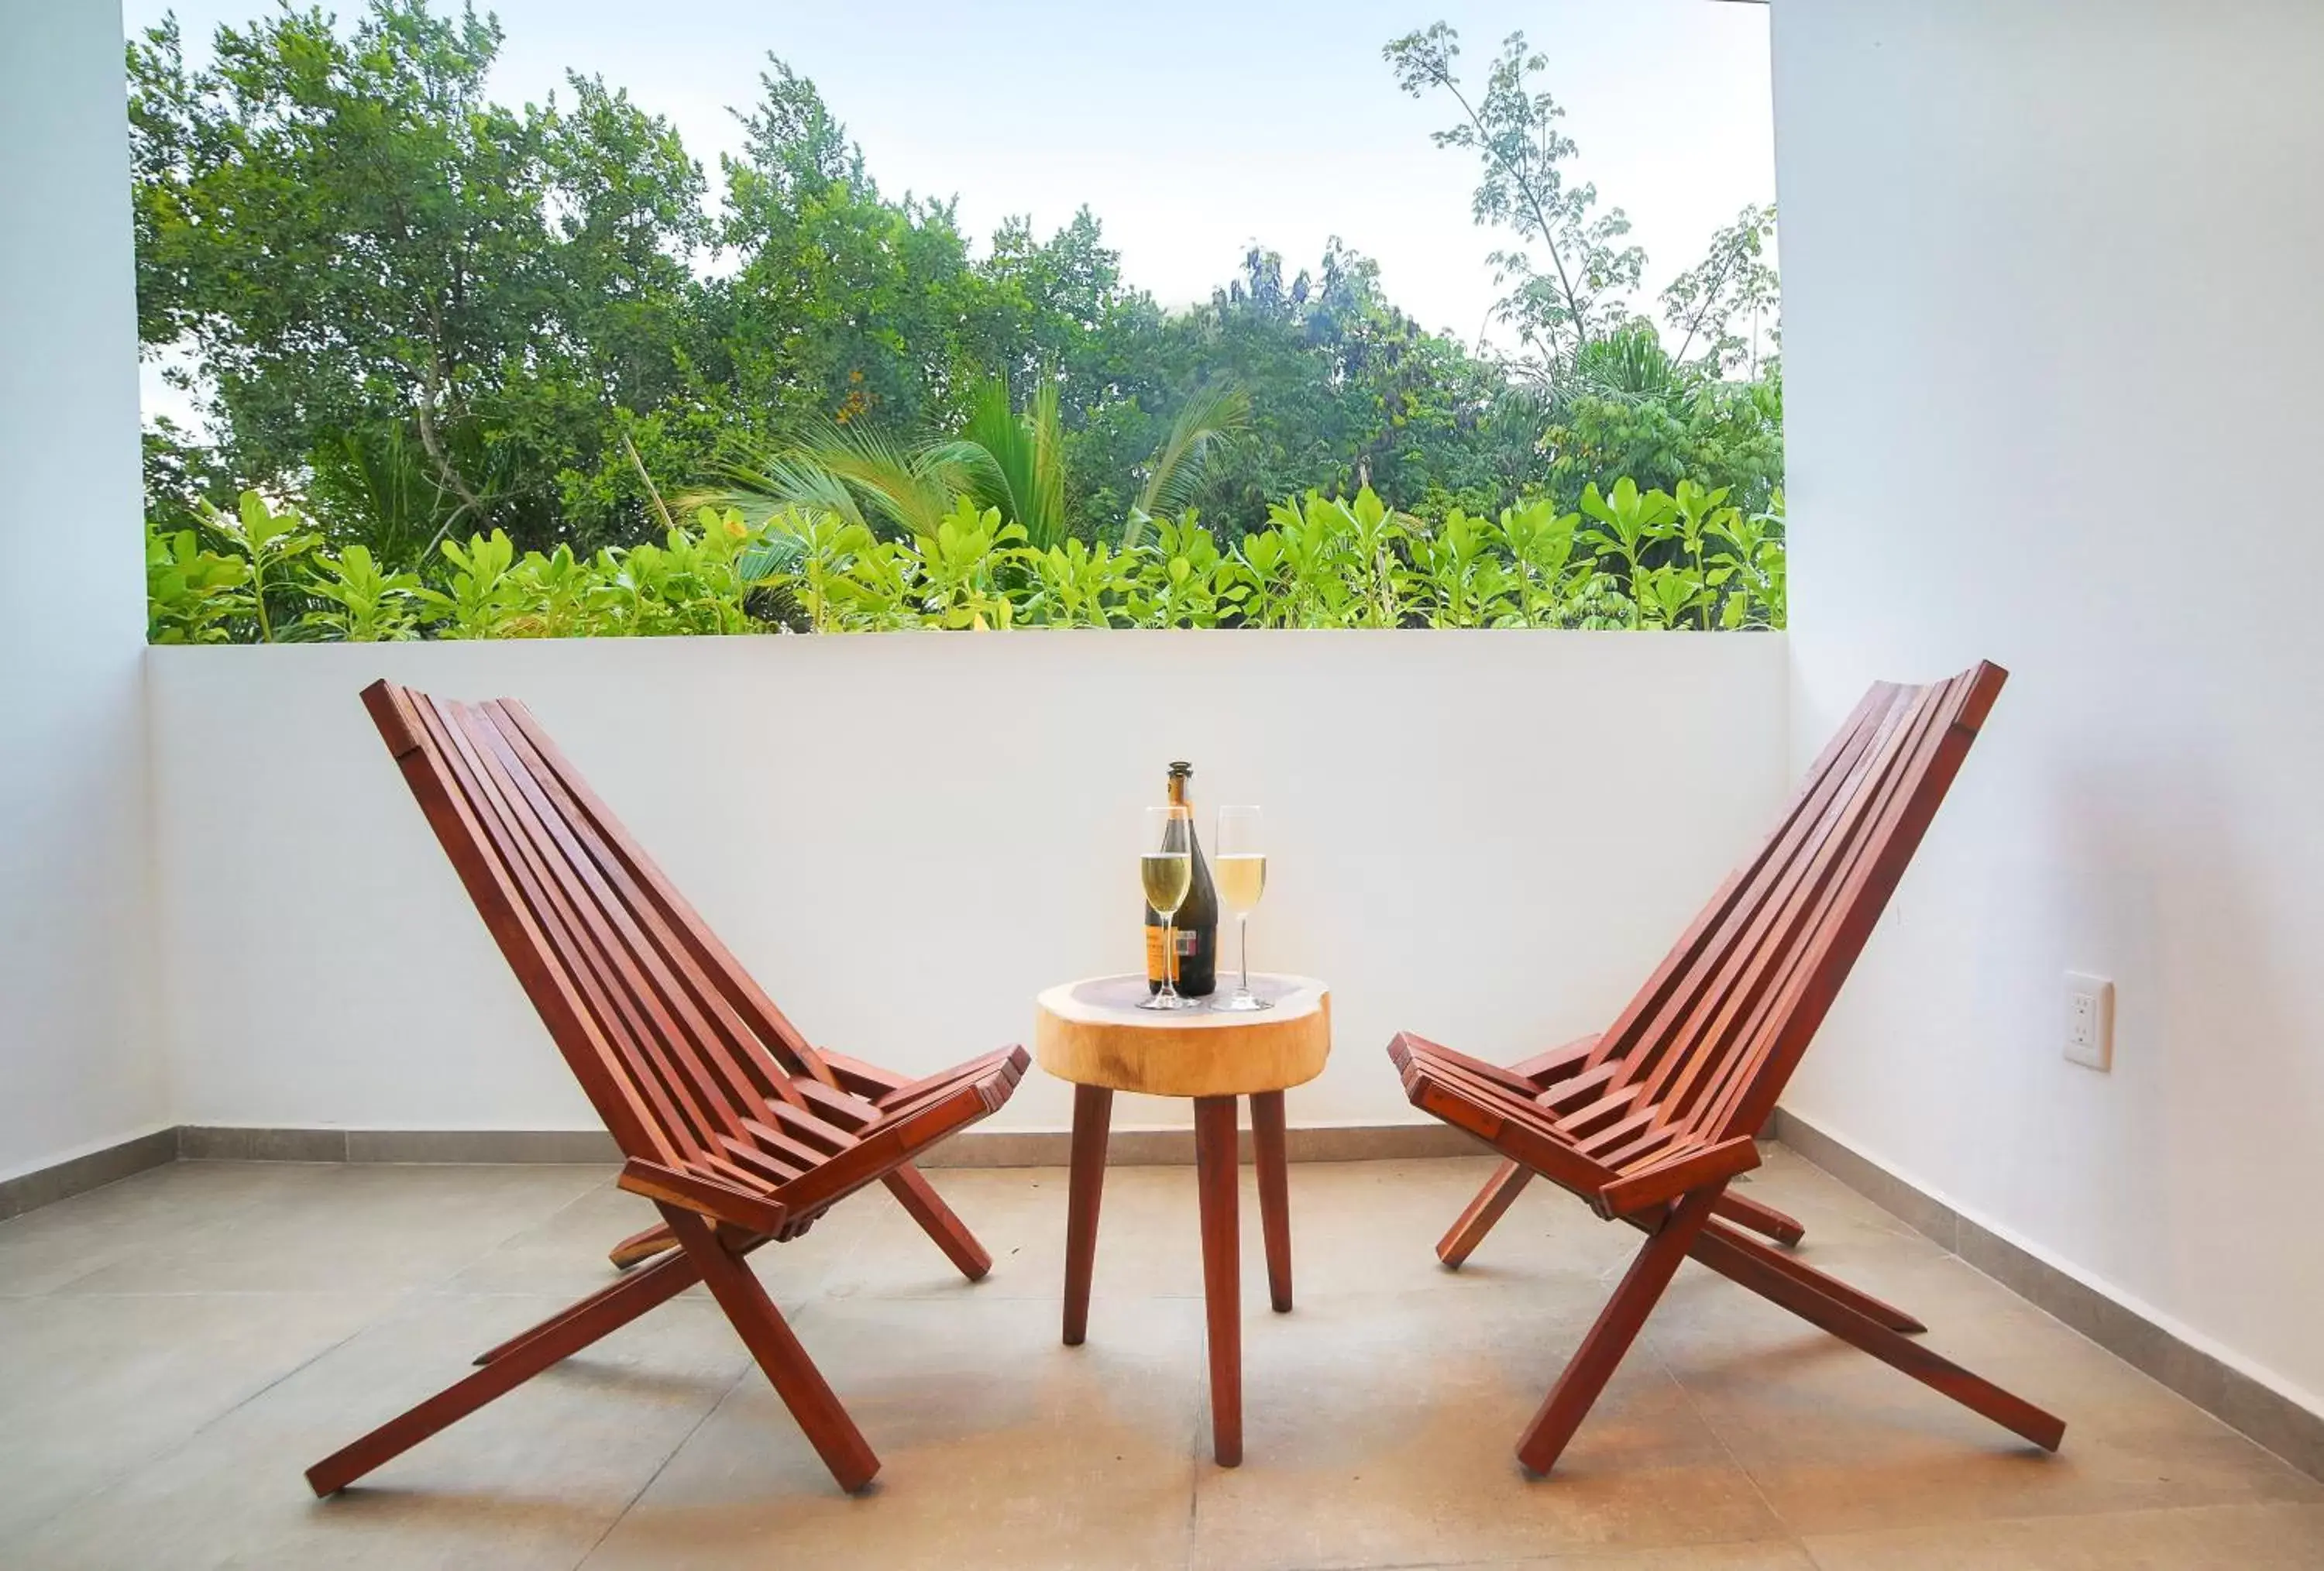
(1240, 865)
(1165, 867)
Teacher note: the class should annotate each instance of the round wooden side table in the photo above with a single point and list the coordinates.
(1094, 1034)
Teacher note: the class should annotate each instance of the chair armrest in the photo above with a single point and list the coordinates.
(1668, 1180)
(1438, 1082)
(708, 1198)
(953, 1100)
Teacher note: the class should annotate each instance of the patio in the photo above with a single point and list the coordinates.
(176, 1347)
(283, 1143)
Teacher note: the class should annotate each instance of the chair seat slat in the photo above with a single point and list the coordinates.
(1566, 1098)
(809, 1129)
(763, 1165)
(836, 1106)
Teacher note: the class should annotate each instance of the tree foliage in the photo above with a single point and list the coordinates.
(420, 318)
(1579, 295)
(407, 294)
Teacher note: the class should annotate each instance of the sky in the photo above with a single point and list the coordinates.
(1193, 130)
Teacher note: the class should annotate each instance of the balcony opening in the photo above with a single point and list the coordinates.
(536, 322)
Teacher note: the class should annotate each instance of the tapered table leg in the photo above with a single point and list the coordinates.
(1092, 1113)
(1267, 1150)
(1216, 1180)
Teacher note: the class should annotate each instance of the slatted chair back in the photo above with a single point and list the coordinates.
(1703, 1051)
(688, 1061)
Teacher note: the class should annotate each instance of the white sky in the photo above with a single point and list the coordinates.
(1189, 130)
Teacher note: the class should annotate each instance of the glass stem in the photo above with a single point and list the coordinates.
(1170, 956)
(1242, 930)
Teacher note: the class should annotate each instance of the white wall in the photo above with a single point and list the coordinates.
(78, 1067)
(2051, 339)
(1489, 838)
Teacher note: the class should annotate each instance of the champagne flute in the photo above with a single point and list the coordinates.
(1241, 871)
(1165, 866)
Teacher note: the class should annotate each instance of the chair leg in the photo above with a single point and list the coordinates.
(788, 1368)
(1759, 1218)
(559, 1339)
(1754, 1270)
(1594, 1361)
(614, 1289)
(1270, 1159)
(1084, 1188)
(917, 1196)
(643, 1244)
(1814, 1280)
(1470, 1229)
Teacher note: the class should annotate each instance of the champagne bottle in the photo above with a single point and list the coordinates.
(1196, 925)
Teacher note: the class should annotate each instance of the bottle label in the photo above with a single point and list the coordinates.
(1187, 938)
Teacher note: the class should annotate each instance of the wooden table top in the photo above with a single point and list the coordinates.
(1091, 1032)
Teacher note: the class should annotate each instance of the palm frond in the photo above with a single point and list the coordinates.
(1020, 462)
(861, 475)
(1211, 413)
(761, 487)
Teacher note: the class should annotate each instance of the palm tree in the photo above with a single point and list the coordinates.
(1002, 458)
(1020, 463)
(1213, 413)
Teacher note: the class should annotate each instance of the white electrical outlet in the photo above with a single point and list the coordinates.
(2089, 1021)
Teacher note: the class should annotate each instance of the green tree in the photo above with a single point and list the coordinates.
(351, 241)
(1611, 398)
(1724, 305)
(1511, 125)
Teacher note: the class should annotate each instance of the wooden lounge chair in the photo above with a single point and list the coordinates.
(1650, 1121)
(737, 1129)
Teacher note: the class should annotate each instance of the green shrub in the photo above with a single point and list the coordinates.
(1628, 558)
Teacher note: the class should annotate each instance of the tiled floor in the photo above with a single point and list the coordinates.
(174, 1350)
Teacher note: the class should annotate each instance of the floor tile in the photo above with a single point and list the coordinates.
(1149, 1241)
(2243, 1538)
(1753, 1556)
(91, 1387)
(1839, 1441)
(359, 1227)
(998, 1447)
(532, 1480)
(57, 1245)
(1381, 1431)
(1372, 1227)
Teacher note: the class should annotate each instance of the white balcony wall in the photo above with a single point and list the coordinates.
(79, 1067)
(1487, 838)
(2050, 337)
